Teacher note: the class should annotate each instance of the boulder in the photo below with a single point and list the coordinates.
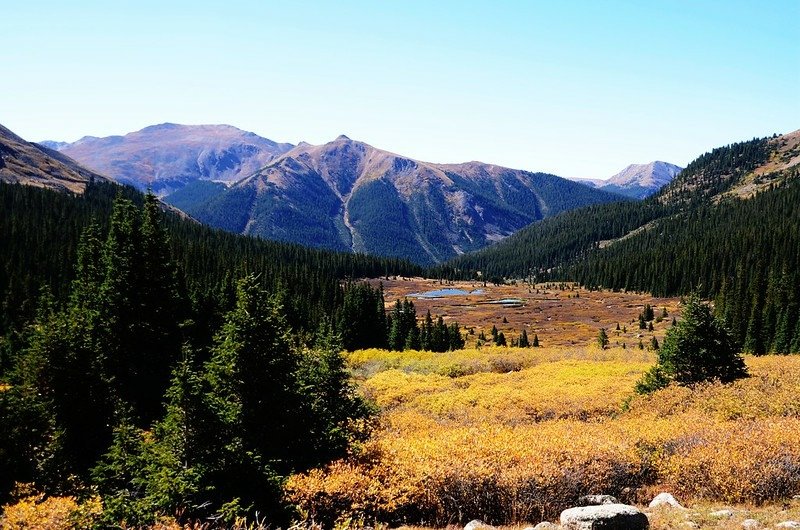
(750, 524)
(604, 517)
(545, 525)
(788, 524)
(477, 524)
(665, 499)
(597, 500)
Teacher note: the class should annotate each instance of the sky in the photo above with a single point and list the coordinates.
(574, 88)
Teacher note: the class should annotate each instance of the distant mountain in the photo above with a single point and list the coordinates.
(347, 195)
(32, 164)
(169, 156)
(637, 180)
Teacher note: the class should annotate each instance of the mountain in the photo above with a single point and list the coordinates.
(726, 227)
(637, 181)
(166, 157)
(347, 195)
(36, 165)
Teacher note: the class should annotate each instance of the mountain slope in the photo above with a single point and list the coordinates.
(35, 165)
(347, 195)
(169, 156)
(726, 226)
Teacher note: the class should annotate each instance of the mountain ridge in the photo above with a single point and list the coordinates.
(167, 156)
(349, 195)
(637, 181)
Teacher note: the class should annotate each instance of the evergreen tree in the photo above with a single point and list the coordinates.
(602, 338)
(698, 349)
(500, 340)
(535, 340)
(523, 340)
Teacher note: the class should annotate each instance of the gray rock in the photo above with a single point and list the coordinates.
(750, 524)
(597, 500)
(545, 525)
(722, 514)
(604, 517)
(664, 499)
(477, 524)
(788, 524)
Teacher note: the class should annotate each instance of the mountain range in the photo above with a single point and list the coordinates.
(637, 181)
(168, 156)
(348, 195)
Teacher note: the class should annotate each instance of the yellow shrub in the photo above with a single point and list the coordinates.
(521, 446)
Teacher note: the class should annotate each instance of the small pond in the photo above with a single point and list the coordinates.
(440, 293)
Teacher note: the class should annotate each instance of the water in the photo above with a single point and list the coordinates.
(440, 293)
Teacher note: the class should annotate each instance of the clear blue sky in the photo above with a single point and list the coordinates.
(579, 89)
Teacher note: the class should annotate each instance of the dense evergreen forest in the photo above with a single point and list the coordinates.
(742, 252)
(172, 368)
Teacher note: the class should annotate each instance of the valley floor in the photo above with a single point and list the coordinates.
(515, 435)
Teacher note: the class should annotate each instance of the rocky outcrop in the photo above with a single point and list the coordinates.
(604, 517)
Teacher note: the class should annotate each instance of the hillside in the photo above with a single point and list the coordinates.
(347, 195)
(690, 235)
(35, 165)
(168, 156)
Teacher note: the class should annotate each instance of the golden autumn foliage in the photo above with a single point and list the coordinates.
(519, 445)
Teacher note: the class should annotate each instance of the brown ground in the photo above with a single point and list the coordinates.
(560, 314)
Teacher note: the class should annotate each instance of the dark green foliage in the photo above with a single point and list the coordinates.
(602, 338)
(500, 339)
(100, 349)
(535, 343)
(361, 320)
(699, 348)
(523, 340)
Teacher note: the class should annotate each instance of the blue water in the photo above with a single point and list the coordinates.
(439, 293)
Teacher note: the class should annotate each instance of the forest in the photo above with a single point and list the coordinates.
(168, 368)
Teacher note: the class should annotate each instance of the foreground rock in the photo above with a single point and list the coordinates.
(665, 499)
(604, 517)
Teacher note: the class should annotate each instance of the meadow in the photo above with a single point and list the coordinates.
(513, 436)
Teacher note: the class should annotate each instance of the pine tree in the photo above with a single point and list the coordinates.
(698, 349)
(523, 340)
(602, 338)
(535, 340)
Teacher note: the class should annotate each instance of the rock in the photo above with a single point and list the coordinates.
(665, 499)
(545, 525)
(750, 524)
(788, 524)
(604, 517)
(477, 524)
(691, 524)
(597, 500)
(722, 514)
